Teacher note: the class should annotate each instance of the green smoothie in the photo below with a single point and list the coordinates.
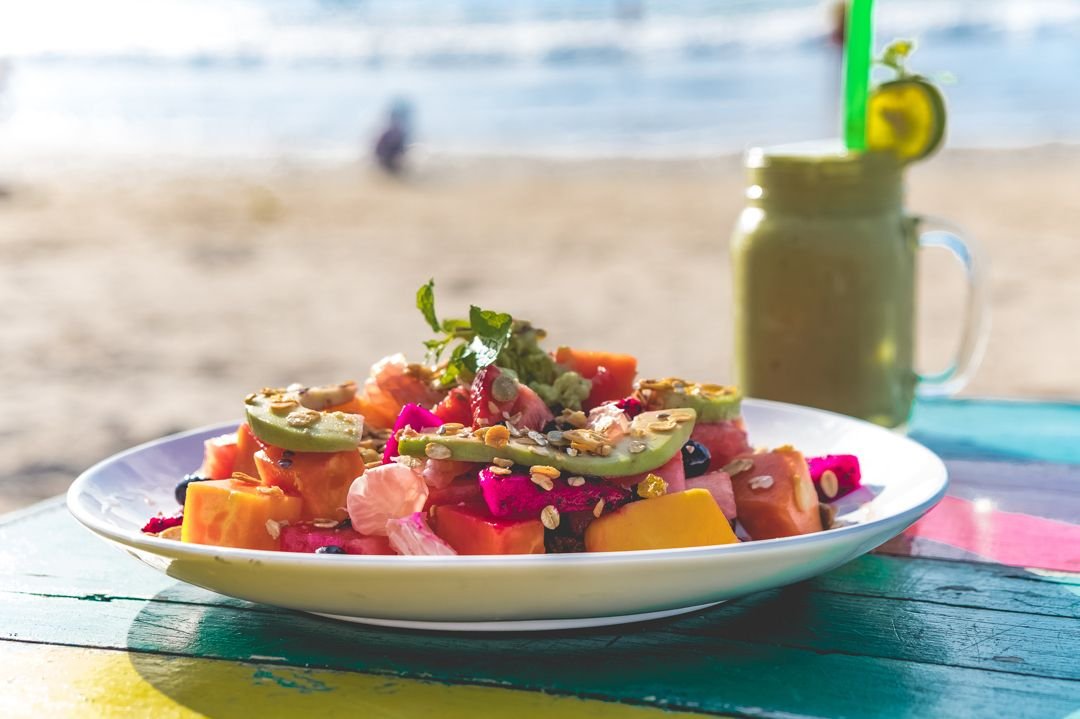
(824, 277)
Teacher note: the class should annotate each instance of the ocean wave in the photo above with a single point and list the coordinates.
(473, 32)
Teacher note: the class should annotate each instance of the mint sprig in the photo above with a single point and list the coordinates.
(484, 335)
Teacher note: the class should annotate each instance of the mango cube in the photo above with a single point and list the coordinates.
(683, 519)
(230, 513)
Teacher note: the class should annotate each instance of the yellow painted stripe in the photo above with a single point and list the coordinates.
(38, 680)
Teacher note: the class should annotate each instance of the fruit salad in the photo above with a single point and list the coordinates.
(495, 445)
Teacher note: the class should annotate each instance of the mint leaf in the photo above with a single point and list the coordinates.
(491, 333)
(425, 302)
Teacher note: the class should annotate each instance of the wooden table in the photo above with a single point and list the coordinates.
(935, 624)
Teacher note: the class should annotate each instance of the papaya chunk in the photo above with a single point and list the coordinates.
(230, 513)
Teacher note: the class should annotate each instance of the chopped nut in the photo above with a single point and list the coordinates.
(681, 415)
(737, 466)
(502, 471)
(576, 418)
(303, 417)
(497, 436)
(545, 470)
(242, 477)
(283, 406)
(637, 447)
(666, 425)
(549, 517)
(327, 395)
(575, 481)
(273, 528)
(543, 482)
(652, 486)
(571, 451)
(598, 509)
(413, 463)
(763, 481)
(503, 462)
(269, 490)
(437, 451)
(829, 483)
(605, 450)
(373, 464)
(248, 400)
(452, 427)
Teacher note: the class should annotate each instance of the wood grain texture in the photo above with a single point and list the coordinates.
(686, 665)
(880, 636)
(49, 680)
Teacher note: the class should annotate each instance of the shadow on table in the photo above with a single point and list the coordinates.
(741, 653)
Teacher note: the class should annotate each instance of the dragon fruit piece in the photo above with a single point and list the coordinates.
(412, 415)
(382, 493)
(411, 535)
(156, 525)
(845, 470)
(631, 406)
(516, 495)
(307, 538)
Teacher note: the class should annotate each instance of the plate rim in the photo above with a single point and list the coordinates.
(177, 550)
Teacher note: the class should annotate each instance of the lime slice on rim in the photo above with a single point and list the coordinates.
(905, 117)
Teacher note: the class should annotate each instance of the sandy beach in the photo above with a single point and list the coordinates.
(135, 302)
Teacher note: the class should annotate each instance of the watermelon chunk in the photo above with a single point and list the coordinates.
(718, 484)
(673, 472)
(307, 538)
(515, 495)
(724, 440)
(845, 467)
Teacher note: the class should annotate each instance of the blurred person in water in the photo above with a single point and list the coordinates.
(394, 139)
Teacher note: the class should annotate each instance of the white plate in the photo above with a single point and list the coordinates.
(116, 497)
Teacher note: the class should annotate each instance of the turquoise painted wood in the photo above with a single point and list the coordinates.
(1004, 429)
(883, 636)
(916, 636)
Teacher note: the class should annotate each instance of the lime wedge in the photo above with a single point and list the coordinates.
(906, 117)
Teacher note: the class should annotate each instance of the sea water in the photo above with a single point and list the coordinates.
(314, 78)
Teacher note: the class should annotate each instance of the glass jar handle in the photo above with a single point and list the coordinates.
(935, 232)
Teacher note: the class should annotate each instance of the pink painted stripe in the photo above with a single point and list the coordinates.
(1019, 540)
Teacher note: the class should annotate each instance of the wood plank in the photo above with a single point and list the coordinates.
(48, 680)
(650, 664)
(999, 429)
(800, 617)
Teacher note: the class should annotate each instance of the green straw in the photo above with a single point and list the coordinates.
(857, 57)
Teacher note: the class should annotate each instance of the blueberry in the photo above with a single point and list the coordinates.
(695, 459)
(330, 549)
(181, 489)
